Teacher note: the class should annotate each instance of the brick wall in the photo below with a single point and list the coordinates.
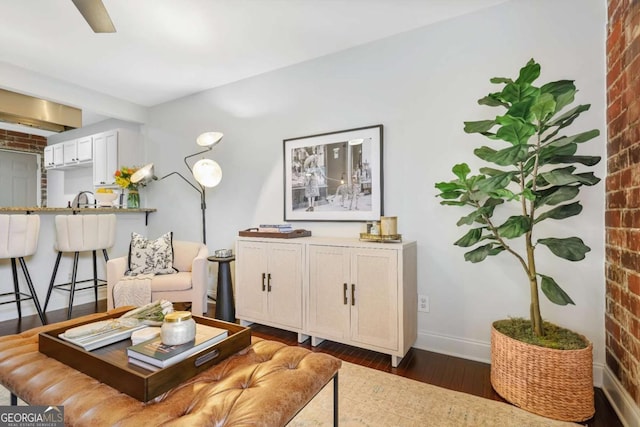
(27, 143)
(622, 217)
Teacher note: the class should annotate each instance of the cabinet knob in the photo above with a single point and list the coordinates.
(353, 294)
(263, 286)
(269, 282)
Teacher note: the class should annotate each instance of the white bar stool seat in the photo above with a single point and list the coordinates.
(81, 233)
(18, 239)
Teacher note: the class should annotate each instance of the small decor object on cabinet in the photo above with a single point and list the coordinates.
(334, 176)
(388, 225)
(385, 230)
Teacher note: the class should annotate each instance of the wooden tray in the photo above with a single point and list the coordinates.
(110, 364)
(251, 232)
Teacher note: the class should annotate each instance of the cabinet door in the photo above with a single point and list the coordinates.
(284, 284)
(99, 163)
(85, 149)
(48, 156)
(70, 152)
(374, 313)
(111, 160)
(251, 282)
(58, 154)
(105, 157)
(329, 292)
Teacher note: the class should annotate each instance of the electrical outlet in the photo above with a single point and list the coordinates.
(423, 303)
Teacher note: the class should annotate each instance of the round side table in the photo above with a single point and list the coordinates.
(225, 308)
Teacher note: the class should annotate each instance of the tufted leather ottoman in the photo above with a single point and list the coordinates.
(265, 384)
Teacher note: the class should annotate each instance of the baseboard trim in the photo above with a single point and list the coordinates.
(479, 351)
(620, 400)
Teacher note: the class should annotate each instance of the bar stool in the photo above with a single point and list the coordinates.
(81, 233)
(18, 239)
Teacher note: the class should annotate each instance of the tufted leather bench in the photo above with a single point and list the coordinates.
(265, 384)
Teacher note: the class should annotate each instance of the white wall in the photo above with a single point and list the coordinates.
(421, 86)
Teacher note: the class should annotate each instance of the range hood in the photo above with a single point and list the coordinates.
(38, 113)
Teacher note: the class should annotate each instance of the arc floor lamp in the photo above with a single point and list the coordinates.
(206, 172)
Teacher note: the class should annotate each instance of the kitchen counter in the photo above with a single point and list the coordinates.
(98, 209)
(74, 211)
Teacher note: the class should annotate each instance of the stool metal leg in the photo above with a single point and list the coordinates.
(95, 277)
(73, 282)
(27, 277)
(53, 279)
(74, 274)
(16, 289)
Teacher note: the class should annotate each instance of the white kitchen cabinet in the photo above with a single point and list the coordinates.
(70, 152)
(84, 149)
(363, 294)
(77, 152)
(269, 283)
(53, 156)
(112, 150)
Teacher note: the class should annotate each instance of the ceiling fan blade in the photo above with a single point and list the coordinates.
(96, 15)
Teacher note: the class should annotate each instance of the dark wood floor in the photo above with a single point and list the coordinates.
(441, 370)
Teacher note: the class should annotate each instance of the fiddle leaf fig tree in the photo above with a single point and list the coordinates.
(534, 175)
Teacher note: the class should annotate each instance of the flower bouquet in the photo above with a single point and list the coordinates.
(123, 179)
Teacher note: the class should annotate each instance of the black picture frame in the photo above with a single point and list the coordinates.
(334, 176)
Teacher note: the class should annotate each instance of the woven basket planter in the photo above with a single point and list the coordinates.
(556, 384)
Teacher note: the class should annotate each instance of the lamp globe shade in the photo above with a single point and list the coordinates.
(209, 139)
(207, 172)
(143, 174)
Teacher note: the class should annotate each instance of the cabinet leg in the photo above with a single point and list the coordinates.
(395, 361)
(245, 323)
(302, 337)
(316, 341)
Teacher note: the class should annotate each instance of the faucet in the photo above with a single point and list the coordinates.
(78, 198)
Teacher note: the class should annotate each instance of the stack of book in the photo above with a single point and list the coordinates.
(153, 355)
(99, 334)
(275, 228)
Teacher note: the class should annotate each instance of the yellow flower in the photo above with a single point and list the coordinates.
(123, 177)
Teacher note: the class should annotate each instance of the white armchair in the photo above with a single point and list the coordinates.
(189, 284)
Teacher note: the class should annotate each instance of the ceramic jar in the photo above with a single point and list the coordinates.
(178, 328)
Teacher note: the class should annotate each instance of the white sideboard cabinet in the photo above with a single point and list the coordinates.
(269, 283)
(363, 294)
(358, 293)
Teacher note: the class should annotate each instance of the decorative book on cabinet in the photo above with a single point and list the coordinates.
(340, 289)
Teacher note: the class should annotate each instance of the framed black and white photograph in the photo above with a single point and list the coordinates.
(335, 176)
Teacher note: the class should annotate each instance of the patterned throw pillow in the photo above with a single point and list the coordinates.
(151, 256)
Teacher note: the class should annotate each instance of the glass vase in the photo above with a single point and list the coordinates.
(133, 199)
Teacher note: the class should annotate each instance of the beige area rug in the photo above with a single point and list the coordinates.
(374, 398)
